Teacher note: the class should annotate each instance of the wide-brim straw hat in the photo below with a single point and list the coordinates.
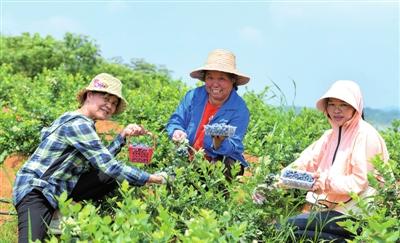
(223, 61)
(106, 83)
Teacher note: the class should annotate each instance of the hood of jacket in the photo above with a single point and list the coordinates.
(347, 91)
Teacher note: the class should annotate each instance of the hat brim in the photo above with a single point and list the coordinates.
(121, 105)
(198, 73)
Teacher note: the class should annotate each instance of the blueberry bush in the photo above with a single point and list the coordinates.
(39, 79)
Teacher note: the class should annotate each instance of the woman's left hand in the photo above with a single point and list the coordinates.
(217, 140)
(133, 130)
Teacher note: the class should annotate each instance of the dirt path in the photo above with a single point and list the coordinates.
(7, 175)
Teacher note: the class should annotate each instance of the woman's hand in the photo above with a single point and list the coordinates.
(133, 130)
(160, 178)
(217, 140)
(178, 136)
(156, 179)
(258, 198)
(317, 187)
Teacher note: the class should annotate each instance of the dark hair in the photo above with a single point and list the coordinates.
(234, 79)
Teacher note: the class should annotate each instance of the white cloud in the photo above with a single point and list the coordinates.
(251, 34)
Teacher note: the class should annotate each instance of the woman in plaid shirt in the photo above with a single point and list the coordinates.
(72, 158)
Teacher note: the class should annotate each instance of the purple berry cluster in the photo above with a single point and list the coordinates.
(170, 170)
(297, 179)
(219, 129)
(182, 151)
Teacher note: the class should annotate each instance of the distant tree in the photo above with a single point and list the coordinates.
(31, 54)
(139, 64)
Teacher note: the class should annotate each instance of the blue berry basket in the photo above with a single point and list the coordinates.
(219, 129)
(297, 179)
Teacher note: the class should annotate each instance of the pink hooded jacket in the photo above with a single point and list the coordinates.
(342, 155)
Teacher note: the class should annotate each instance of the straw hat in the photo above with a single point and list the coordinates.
(220, 60)
(106, 83)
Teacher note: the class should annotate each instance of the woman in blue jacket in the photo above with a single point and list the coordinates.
(215, 102)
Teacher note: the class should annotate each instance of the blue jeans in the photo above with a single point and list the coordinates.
(318, 226)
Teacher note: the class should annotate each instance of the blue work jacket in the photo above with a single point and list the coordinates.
(233, 112)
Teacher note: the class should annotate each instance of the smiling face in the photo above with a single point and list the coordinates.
(219, 86)
(100, 106)
(339, 111)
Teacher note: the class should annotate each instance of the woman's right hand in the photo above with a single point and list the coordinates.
(160, 178)
(317, 187)
(178, 136)
(155, 179)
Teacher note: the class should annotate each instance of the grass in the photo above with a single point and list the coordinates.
(8, 230)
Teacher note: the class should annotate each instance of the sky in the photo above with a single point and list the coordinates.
(302, 47)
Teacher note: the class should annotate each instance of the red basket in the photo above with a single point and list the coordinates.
(142, 153)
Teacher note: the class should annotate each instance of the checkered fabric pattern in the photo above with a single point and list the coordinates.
(76, 134)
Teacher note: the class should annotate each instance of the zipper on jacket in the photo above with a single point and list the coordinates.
(337, 146)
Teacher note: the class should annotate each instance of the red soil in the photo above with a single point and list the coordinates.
(7, 176)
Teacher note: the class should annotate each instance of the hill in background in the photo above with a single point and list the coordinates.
(381, 118)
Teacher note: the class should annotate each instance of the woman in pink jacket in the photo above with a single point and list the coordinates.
(340, 161)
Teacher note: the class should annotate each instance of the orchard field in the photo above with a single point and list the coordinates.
(39, 79)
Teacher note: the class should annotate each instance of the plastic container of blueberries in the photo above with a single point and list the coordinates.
(231, 130)
(295, 183)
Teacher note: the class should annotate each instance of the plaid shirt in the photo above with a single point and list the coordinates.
(74, 135)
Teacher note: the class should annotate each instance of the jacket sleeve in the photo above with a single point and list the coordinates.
(232, 146)
(366, 147)
(180, 118)
(84, 138)
(115, 146)
(309, 158)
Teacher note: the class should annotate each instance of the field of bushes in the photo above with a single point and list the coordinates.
(39, 79)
